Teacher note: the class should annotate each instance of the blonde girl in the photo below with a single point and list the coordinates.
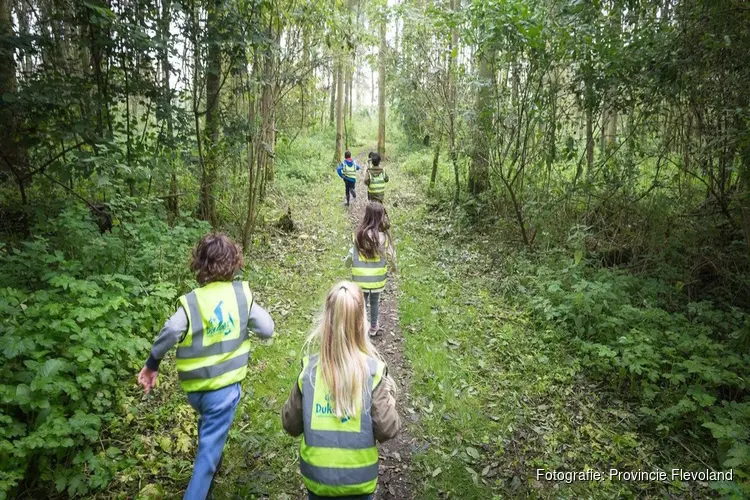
(341, 402)
(371, 252)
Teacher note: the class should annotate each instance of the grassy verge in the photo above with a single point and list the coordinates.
(494, 397)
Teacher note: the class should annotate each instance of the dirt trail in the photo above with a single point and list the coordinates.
(395, 455)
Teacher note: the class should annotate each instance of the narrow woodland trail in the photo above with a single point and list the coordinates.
(395, 455)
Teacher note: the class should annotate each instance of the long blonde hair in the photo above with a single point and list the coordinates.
(344, 347)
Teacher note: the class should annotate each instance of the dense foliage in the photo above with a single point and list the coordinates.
(80, 311)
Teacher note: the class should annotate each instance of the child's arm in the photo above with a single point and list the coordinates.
(385, 420)
(260, 322)
(390, 254)
(291, 415)
(340, 170)
(367, 179)
(169, 336)
(349, 258)
(385, 177)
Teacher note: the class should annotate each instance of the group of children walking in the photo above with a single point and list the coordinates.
(341, 403)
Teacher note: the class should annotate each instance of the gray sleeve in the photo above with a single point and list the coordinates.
(260, 322)
(171, 333)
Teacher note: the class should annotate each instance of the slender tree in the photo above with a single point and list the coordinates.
(381, 85)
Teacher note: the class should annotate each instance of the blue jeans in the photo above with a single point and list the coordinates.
(313, 496)
(215, 414)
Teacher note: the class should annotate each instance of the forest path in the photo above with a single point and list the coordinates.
(395, 455)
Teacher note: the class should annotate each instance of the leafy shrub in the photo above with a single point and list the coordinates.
(79, 312)
(418, 164)
(678, 361)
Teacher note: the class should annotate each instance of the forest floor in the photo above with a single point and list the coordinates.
(486, 398)
(395, 455)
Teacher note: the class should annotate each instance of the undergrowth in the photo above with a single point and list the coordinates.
(674, 368)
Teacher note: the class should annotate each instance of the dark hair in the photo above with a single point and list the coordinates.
(347, 154)
(369, 155)
(375, 159)
(367, 237)
(216, 258)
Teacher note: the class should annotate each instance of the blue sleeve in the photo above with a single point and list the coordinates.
(357, 164)
(340, 170)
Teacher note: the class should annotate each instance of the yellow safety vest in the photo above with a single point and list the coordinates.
(369, 274)
(216, 348)
(338, 456)
(377, 183)
(350, 171)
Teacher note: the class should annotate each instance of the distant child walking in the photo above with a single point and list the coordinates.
(369, 256)
(347, 170)
(341, 402)
(376, 179)
(210, 330)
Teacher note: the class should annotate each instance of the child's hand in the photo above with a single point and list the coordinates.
(147, 379)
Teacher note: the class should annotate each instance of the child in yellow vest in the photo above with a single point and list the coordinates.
(372, 250)
(210, 330)
(376, 179)
(341, 402)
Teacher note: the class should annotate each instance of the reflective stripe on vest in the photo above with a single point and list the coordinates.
(350, 171)
(369, 274)
(216, 348)
(377, 183)
(338, 457)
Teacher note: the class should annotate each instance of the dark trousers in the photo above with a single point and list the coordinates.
(349, 186)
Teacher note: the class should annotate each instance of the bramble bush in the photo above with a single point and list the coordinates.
(678, 360)
(79, 312)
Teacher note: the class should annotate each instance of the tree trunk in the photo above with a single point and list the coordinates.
(213, 102)
(589, 141)
(744, 192)
(352, 74)
(453, 119)
(172, 201)
(612, 128)
(251, 157)
(479, 171)
(381, 89)
(334, 88)
(347, 100)
(551, 154)
(12, 155)
(339, 108)
(435, 162)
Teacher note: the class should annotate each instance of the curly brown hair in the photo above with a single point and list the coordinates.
(216, 258)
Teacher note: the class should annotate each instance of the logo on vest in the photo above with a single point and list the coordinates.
(218, 324)
(328, 411)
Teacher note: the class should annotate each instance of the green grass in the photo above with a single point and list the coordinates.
(495, 398)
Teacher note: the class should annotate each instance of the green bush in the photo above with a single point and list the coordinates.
(79, 312)
(676, 360)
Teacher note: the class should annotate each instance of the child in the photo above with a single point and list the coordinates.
(210, 329)
(371, 249)
(376, 179)
(347, 170)
(341, 402)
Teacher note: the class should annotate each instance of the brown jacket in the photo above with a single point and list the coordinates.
(385, 420)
